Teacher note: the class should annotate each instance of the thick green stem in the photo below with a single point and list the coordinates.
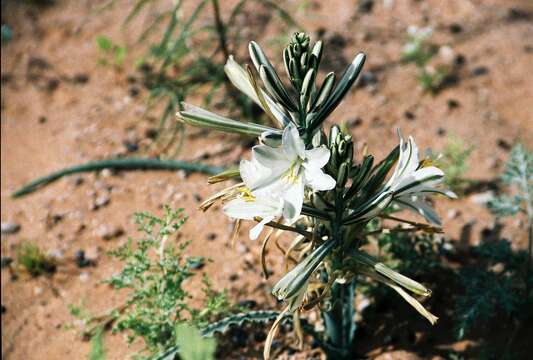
(339, 321)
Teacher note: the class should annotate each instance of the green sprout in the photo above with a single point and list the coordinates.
(420, 51)
(454, 162)
(154, 269)
(34, 260)
(112, 54)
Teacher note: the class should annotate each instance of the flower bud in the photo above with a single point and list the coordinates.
(342, 176)
(333, 132)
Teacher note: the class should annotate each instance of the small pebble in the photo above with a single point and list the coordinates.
(134, 91)
(80, 78)
(460, 60)
(409, 115)
(81, 260)
(365, 6)
(52, 84)
(130, 146)
(441, 131)
(248, 304)
(517, 14)
(42, 119)
(8, 228)
(55, 254)
(151, 133)
(233, 277)
(102, 200)
(242, 249)
(108, 232)
(77, 180)
(456, 28)
(482, 198)
(453, 104)
(84, 276)
(196, 263)
(354, 122)
(480, 70)
(453, 213)
(211, 236)
(503, 144)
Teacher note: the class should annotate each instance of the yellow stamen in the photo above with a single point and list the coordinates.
(246, 194)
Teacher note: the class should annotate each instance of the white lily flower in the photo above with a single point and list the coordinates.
(285, 171)
(249, 206)
(241, 80)
(411, 181)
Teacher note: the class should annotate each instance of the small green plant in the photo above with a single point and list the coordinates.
(494, 287)
(454, 162)
(154, 270)
(112, 54)
(420, 51)
(34, 260)
(518, 177)
(189, 55)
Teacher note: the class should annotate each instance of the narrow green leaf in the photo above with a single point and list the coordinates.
(196, 116)
(344, 84)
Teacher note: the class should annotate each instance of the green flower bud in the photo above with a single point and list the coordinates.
(342, 176)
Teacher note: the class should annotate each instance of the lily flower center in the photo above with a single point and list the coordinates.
(246, 194)
(291, 176)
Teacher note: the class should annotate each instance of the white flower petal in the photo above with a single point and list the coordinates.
(262, 207)
(318, 180)
(418, 205)
(257, 229)
(252, 173)
(408, 160)
(428, 176)
(294, 198)
(292, 144)
(317, 157)
(273, 158)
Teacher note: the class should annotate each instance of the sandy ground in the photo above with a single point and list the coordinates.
(51, 119)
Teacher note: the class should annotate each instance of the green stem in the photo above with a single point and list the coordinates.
(339, 319)
(530, 255)
(221, 31)
(118, 164)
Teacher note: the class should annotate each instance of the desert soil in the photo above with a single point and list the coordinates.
(60, 108)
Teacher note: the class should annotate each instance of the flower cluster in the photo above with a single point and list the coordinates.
(302, 181)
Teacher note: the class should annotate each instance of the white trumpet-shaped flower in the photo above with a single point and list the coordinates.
(411, 181)
(248, 206)
(286, 170)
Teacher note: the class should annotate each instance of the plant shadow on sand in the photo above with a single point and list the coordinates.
(479, 296)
